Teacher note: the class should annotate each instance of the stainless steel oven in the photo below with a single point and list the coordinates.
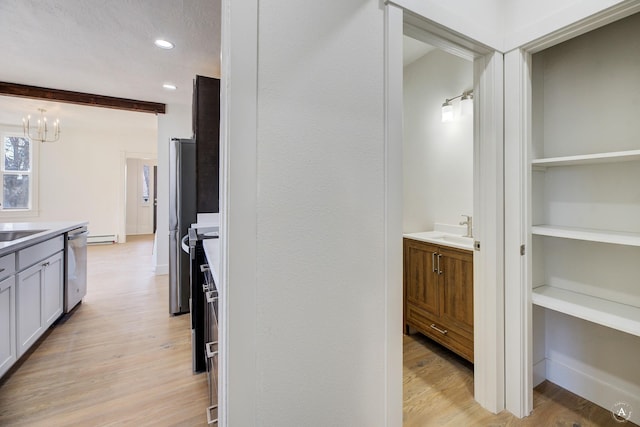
(211, 343)
(198, 302)
(204, 315)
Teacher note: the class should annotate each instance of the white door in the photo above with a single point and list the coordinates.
(140, 190)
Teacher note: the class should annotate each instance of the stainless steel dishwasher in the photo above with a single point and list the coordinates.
(75, 278)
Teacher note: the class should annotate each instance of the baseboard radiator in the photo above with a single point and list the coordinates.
(106, 239)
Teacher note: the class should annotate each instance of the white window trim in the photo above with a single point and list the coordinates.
(33, 211)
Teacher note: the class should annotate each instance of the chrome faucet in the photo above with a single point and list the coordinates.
(469, 224)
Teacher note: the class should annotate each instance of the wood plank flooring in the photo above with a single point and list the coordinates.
(438, 391)
(118, 360)
(121, 360)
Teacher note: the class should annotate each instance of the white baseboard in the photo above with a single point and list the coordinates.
(162, 269)
(539, 372)
(591, 388)
(102, 239)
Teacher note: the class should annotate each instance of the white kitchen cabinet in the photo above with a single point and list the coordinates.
(585, 210)
(40, 298)
(32, 288)
(53, 289)
(7, 324)
(29, 302)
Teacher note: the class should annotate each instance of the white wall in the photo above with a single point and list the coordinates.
(176, 123)
(482, 21)
(320, 214)
(88, 163)
(504, 25)
(81, 176)
(317, 347)
(312, 257)
(438, 157)
(525, 21)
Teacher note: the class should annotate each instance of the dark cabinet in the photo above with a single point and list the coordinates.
(206, 132)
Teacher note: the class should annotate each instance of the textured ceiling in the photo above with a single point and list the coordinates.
(106, 46)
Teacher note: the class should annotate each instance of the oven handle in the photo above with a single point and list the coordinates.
(183, 243)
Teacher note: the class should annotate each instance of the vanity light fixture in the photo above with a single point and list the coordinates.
(169, 86)
(466, 106)
(447, 112)
(164, 44)
(41, 131)
(466, 103)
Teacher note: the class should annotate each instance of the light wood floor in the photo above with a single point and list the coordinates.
(118, 360)
(121, 360)
(438, 391)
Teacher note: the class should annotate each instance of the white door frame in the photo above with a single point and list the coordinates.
(519, 372)
(488, 188)
(238, 213)
(122, 209)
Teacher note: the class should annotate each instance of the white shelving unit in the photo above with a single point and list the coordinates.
(589, 159)
(585, 215)
(601, 236)
(614, 315)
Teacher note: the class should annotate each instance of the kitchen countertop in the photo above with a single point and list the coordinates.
(50, 229)
(212, 251)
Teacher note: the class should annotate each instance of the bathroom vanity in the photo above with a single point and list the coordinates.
(438, 289)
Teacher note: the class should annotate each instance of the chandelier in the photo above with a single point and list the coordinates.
(41, 131)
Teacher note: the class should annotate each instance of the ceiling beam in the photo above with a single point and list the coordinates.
(25, 91)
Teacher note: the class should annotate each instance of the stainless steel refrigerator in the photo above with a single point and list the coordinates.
(182, 213)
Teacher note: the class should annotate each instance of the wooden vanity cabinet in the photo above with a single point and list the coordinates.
(438, 294)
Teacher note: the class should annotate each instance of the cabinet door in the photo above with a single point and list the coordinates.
(457, 290)
(30, 324)
(7, 324)
(53, 291)
(206, 130)
(421, 277)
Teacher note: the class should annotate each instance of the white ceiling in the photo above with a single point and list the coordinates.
(106, 47)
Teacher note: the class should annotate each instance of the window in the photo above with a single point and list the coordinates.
(145, 184)
(17, 169)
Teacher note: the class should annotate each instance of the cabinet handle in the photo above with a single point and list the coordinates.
(433, 262)
(210, 419)
(204, 267)
(211, 296)
(439, 271)
(45, 264)
(2, 269)
(443, 332)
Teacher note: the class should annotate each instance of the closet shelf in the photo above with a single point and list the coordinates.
(586, 159)
(602, 236)
(625, 318)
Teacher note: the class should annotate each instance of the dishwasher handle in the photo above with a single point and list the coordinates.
(75, 234)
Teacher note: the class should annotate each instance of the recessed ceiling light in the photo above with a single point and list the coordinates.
(169, 86)
(164, 44)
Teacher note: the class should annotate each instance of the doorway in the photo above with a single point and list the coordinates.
(488, 256)
(437, 149)
(140, 196)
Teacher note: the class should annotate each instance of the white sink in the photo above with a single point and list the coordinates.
(458, 239)
(442, 238)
